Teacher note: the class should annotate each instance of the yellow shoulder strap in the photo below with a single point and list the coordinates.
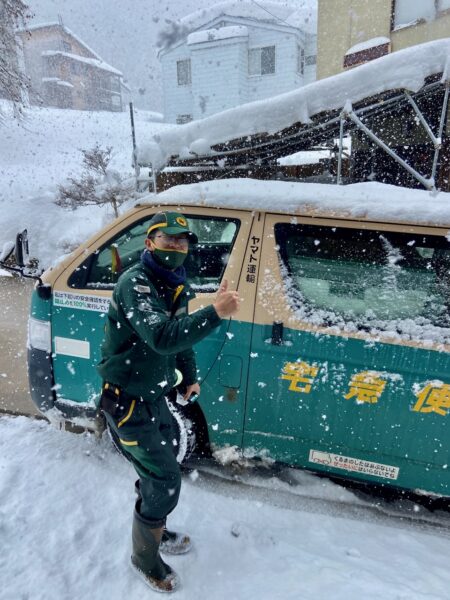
(178, 291)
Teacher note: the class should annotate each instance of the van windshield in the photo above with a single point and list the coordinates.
(368, 280)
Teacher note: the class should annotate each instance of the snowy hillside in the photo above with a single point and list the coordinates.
(40, 153)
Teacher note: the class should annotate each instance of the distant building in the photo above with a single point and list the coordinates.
(351, 32)
(66, 73)
(233, 53)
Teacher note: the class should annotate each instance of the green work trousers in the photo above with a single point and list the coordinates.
(146, 436)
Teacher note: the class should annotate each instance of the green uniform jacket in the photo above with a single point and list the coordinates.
(148, 334)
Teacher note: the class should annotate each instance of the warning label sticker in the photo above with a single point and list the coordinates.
(356, 465)
(81, 301)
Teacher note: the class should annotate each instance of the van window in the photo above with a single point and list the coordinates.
(368, 280)
(205, 263)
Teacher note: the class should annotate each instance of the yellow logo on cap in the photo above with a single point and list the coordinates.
(181, 221)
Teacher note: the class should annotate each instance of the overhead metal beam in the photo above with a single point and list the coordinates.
(422, 119)
(341, 144)
(427, 183)
(441, 130)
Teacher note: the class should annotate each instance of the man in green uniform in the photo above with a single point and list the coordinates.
(146, 351)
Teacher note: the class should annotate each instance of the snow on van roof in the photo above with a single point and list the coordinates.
(369, 201)
(405, 69)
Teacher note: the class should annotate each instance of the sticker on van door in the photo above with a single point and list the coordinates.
(356, 465)
(81, 301)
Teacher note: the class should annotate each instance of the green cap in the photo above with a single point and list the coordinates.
(172, 223)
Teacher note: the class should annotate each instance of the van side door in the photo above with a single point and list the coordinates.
(351, 344)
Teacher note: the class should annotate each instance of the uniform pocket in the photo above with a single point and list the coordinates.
(112, 402)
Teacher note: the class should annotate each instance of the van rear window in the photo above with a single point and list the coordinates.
(375, 281)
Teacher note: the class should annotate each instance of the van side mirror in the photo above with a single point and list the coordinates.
(21, 252)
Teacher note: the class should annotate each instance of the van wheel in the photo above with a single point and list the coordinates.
(185, 432)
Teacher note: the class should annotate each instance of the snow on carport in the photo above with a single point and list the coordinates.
(406, 69)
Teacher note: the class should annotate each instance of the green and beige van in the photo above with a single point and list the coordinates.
(338, 360)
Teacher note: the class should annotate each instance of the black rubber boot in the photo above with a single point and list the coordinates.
(172, 542)
(146, 559)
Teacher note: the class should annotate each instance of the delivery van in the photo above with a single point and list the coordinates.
(338, 360)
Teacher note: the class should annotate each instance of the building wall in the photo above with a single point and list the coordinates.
(89, 88)
(227, 88)
(177, 98)
(345, 23)
(422, 32)
(285, 77)
(41, 40)
(219, 71)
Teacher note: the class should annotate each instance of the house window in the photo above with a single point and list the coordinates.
(184, 72)
(183, 119)
(75, 68)
(407, 12)
(300, 60)
(66, 46)
(261, 61)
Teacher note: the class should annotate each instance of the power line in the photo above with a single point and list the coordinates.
(271, 14)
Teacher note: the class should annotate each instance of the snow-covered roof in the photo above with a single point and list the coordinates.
(295, 14)
(211, 35)
(99, 64)
(372, 43)
(57, 81)
(301, 14)
(405, 69)
(64, 28)
(371, 201)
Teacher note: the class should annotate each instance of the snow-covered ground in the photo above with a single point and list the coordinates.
(65, 527)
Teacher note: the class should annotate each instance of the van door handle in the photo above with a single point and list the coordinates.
(277, 333)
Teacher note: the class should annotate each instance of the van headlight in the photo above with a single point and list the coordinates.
(39, 335)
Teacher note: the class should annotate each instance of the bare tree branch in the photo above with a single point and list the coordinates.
(13, 81)
(97, 185)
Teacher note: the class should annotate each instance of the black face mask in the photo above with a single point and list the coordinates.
(170, 259)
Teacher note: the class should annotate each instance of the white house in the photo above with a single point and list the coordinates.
(236, 52)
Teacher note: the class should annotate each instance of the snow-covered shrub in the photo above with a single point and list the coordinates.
(98, 184)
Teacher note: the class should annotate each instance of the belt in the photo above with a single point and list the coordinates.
(111, 386)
